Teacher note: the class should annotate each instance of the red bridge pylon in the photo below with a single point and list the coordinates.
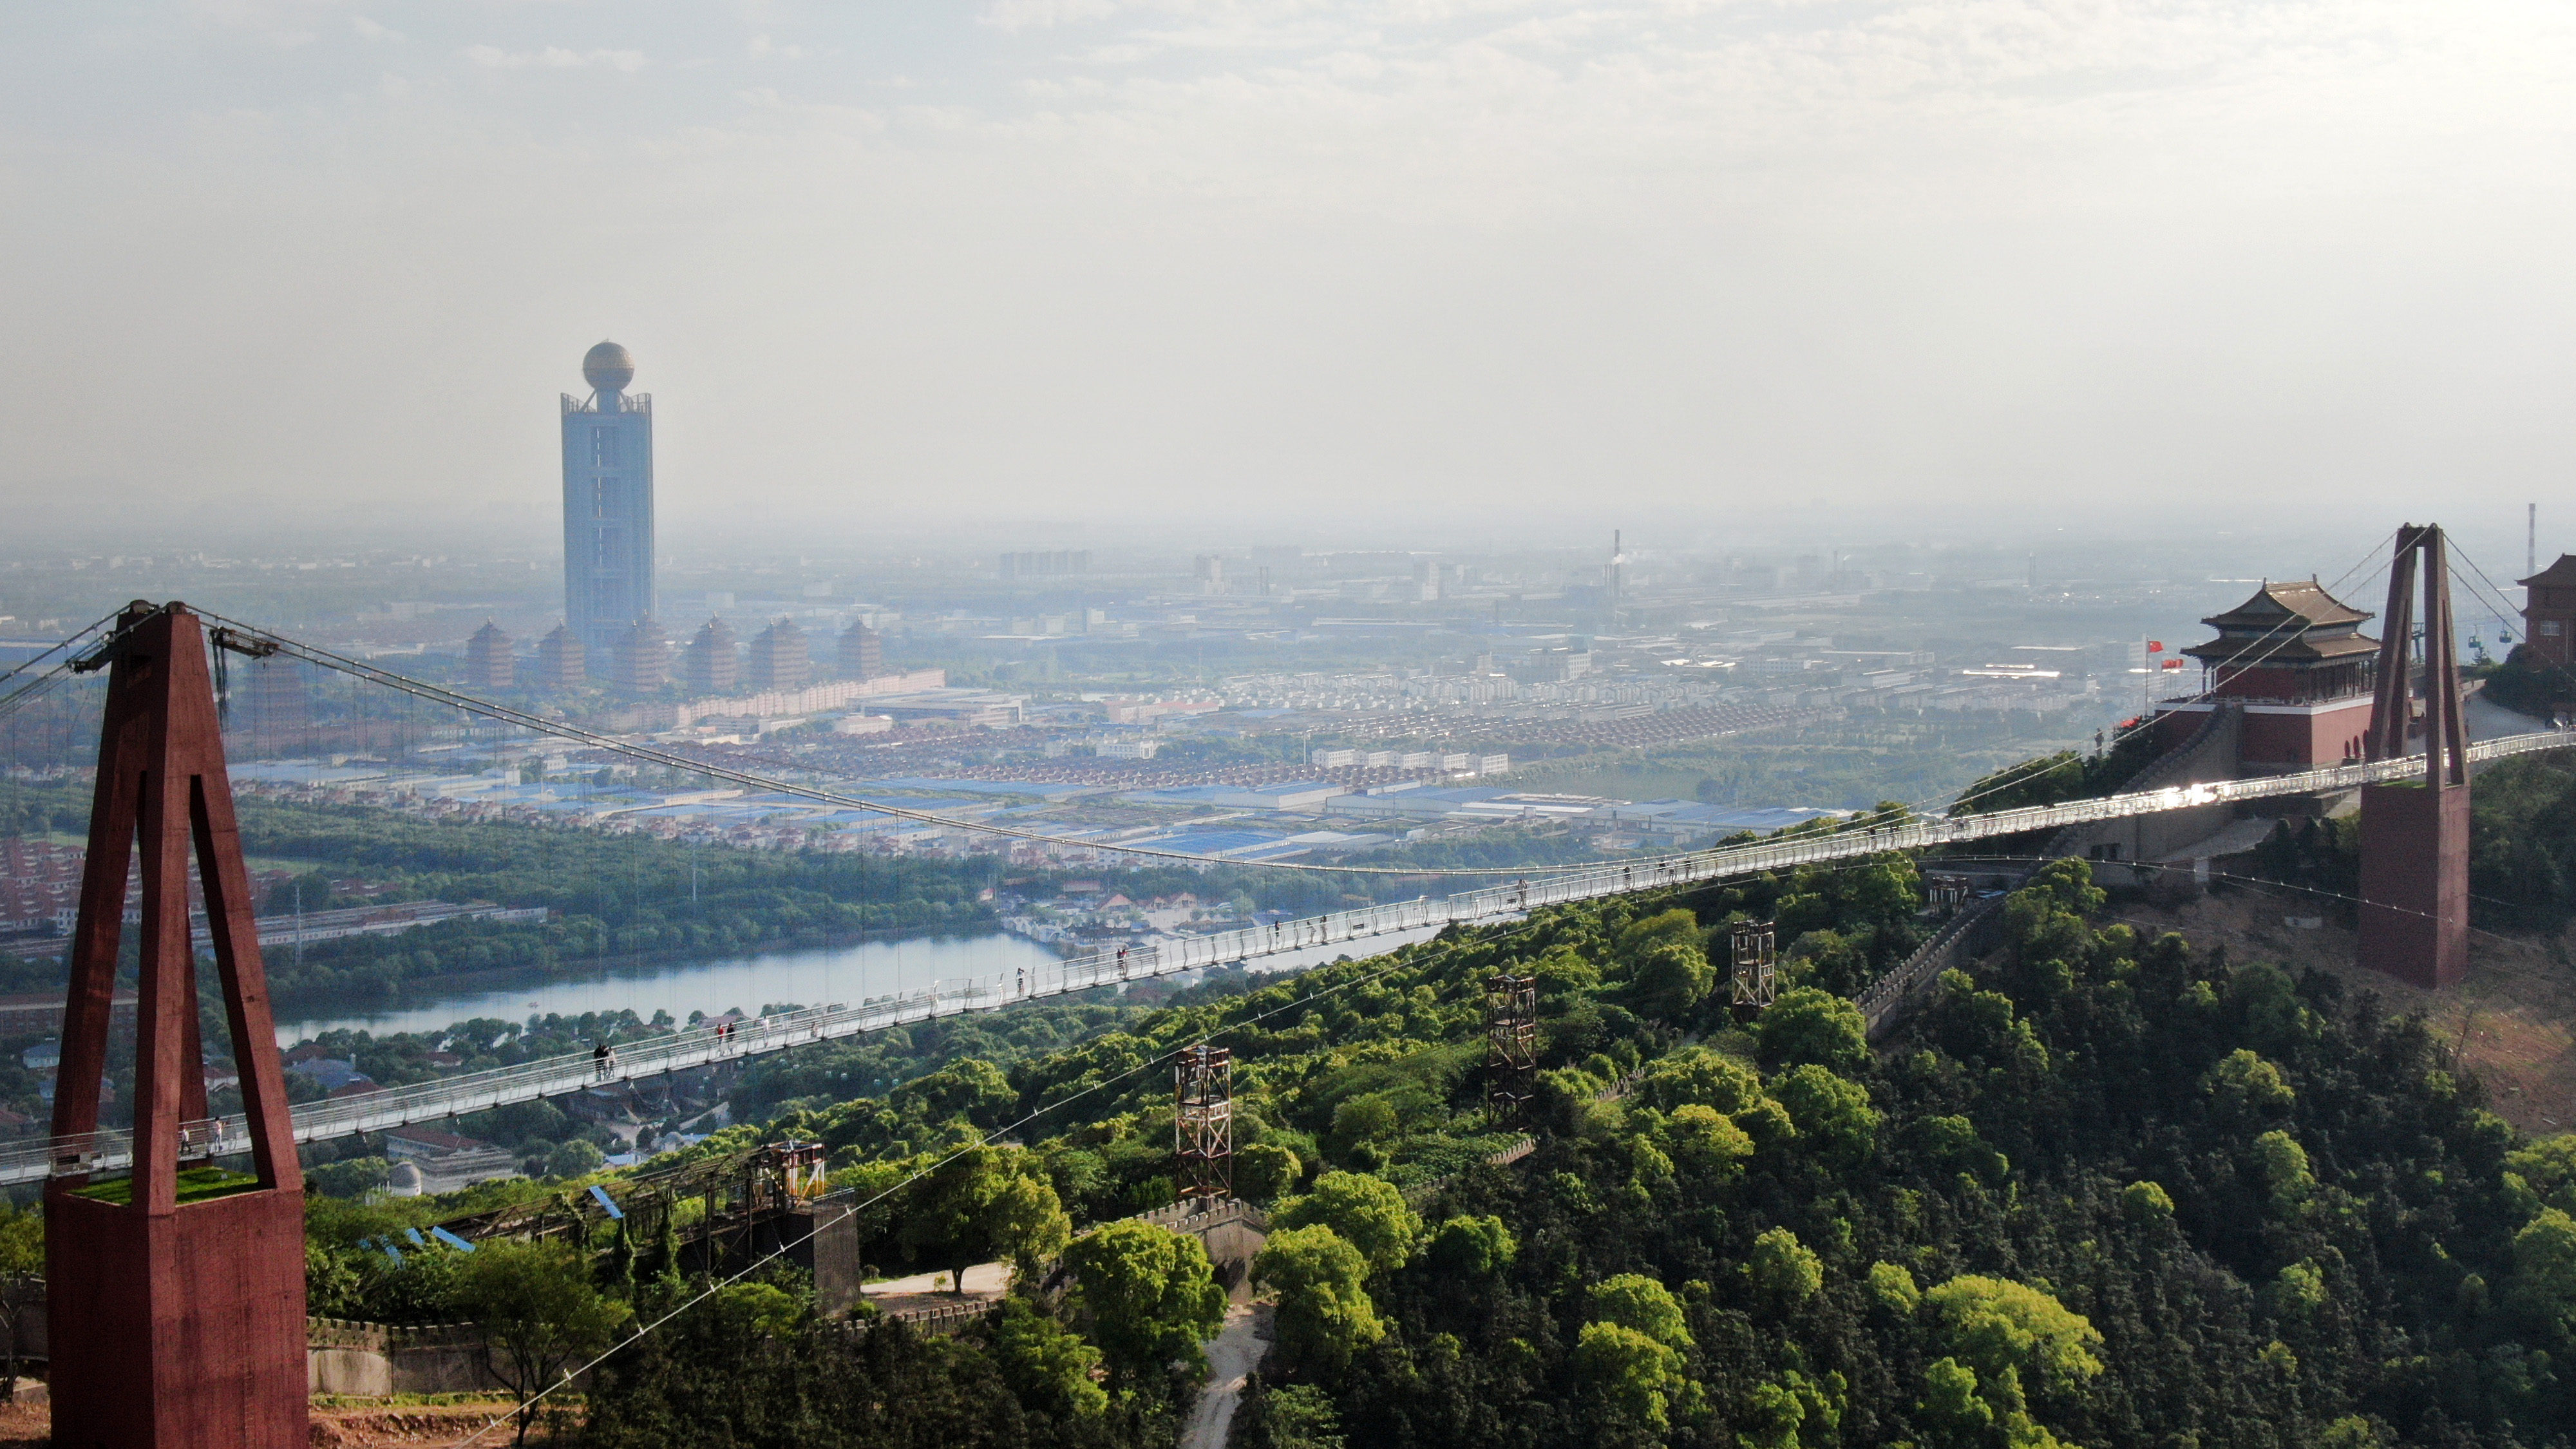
(177, 1307)
(2415, 837)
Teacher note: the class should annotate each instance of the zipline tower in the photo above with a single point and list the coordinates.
(1511, 1047)
(1203, 1123)
(177, 1301)
(1754, 981)
(2415, 836)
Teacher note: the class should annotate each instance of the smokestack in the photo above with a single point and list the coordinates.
(2530, 539)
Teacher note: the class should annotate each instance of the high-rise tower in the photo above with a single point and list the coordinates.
(608, 504)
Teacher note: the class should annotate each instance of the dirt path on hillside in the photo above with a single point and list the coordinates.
(2513, 1018)
(1232, 1356)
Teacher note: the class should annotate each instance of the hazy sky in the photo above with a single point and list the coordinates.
(1025, 266)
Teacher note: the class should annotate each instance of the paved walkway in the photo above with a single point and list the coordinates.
(1232, 1355)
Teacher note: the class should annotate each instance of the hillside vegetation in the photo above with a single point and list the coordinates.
(2103, 1191)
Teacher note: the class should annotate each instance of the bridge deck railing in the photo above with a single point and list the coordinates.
(702, 1046)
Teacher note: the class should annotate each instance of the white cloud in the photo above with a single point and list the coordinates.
(554, 57)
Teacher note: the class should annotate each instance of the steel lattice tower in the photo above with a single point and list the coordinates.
(1511, 1046)
(1203, 1122)
(1755, 979)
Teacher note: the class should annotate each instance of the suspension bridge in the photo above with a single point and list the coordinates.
(108, 1150)
(198, 1276)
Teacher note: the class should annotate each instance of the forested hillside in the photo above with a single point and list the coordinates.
(2105, 1191)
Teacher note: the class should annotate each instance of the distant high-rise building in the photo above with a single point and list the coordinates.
(641, 659)
(862, 653)
(608, 504)
(1041, 565)
(779, 659)
(709, 665)
(489, 664)
(560, 660)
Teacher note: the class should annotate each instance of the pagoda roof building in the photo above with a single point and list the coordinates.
(2286, 624)
(2290, 676)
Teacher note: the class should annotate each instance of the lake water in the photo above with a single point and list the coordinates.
(807, 978)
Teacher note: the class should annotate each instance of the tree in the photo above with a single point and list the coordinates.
(1324, 1314)
(2543, 1174)
(1473, 1247)
(1633, 1300)
(1364, 1211)
(1152, 1299)
(2543, 1288)
(1783, 1269)
(1046, 1364)
(1698, 1074)
(982, 1203)
(1671, 979)
(1831, 1114)
(2244, 1084)
(2011, 1332)
(1292, 1416)
(1808, 1025)
(2283, 1164)
(22, 1257)
(1631, 1372)
(1264, 1170)
(538, 1312)
(1701, 1139)
(574, 1158)
(1894, 1288)
(1648, 934)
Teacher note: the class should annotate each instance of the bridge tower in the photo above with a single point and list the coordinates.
(1511, 1047)
(1203, 1123)
(1754, 981)
(2415, 836)
(177, 1298)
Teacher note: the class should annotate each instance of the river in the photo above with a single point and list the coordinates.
(806, 978)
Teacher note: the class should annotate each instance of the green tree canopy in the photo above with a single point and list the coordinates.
(1264, 1170)
(1367, 1212)
(1633, 1300)
(2012, 1333)
(1473, 1246)
(1152, 1298)
(539, 1314)
(1832, 1114)
(1047, 1365)
(1632, 1373)
(1808, 1025)
(1783, 1269)
(1325, 1314)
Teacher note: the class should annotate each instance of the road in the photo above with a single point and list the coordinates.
(1232, 1355)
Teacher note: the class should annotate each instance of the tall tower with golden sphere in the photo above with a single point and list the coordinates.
(608, 504)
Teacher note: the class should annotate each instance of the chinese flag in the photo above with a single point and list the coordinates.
(2173, 664)
(2155, 646)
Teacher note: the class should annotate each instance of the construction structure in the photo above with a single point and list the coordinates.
(176, 1298)
(749, 1205)
(1511, 1047)
(1753, 977)
(1203, 1124)
(2415, 834)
